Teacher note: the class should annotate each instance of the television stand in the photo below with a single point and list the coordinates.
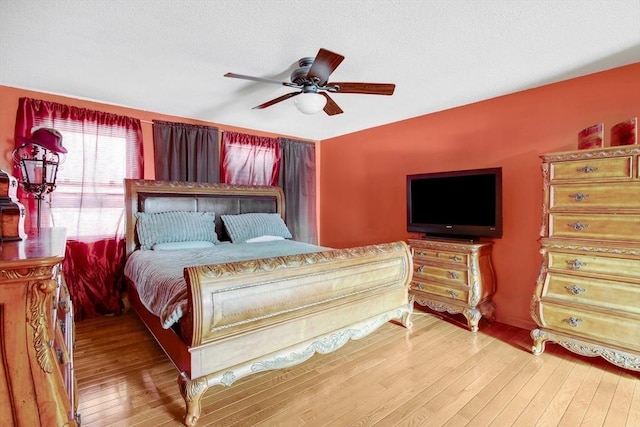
(454, 276)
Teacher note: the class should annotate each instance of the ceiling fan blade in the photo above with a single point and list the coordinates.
(324, 64)
(276, 100)
(365, 88)
(260, 79)
(331, 108)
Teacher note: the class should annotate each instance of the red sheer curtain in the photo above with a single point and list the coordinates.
(249, 159)
(88, 201)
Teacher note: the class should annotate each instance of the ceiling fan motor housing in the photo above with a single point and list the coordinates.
(299, 75)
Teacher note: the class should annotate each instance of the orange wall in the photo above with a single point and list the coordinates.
(362, 181)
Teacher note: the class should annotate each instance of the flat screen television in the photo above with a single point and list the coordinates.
(464, 204)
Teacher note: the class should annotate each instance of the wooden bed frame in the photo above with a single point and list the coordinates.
(368, 287)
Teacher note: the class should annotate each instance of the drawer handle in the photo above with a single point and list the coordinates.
(576, 264)
(587, 169)
(452, 275)
(578, 197)
(456, 258)
(575, 289)
(578, 226)
(419, 286)
(453, 294)
(422, 253)
(421, 269)
(573, 321)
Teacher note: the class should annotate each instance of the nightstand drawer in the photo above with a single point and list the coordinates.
(618, 330)
(592, 169)
(621, 195)
(441, 274)
(607, 227)
(614, 295)
(594, 264)
(430, 254)
(459, 294)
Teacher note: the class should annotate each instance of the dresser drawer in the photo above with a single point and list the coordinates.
(608, 294)
(441, 274)
(621, 195)
(592, 169)
(431, 254)
(611, 328)
(624, 227)
(456, 293)
(594, 264)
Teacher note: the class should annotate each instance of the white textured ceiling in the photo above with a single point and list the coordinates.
(169, 56)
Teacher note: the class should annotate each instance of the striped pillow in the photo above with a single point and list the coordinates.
(175, 226)
(247, 226)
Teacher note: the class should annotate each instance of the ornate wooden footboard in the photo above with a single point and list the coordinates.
(270, 313)
(274, 313)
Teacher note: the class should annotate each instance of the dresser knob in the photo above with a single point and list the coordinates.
(578, 226)
(420, 286)
(575, 289)
(578, 197)
(587, 169)
(452, 275)
(573, 321)
(453, 294)
(421, 269)
(456, 258)
(576, 264)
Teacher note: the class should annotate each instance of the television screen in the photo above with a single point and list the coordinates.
(465, 204)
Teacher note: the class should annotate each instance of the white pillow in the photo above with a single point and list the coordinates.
(265, 238)
(176, 246)
(251, 225)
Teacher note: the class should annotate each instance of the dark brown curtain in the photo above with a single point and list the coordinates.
(185, 152)
(298, 181)
(88, 200)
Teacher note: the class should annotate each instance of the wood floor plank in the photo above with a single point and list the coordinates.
(621, 401)
(437, 374)
(514, 408)
(574, 413)
(557, 406)
(459, 360)
(633, 418)
(544, 396)
(599, 405)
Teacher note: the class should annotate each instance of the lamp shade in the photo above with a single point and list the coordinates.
(310, 102)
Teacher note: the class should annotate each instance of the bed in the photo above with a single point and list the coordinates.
(250, 309)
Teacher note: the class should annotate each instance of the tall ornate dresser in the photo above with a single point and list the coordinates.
(37, 383)
(587, 297)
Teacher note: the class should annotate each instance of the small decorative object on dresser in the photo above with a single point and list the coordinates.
(591, 137)
(587, 297)
(624, 133)
(454, 276)
(12, 212)
(37, 382)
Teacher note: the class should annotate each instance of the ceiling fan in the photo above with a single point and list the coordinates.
(311, 80)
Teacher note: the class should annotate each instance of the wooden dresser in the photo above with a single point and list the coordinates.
(587, 297)
(37, 384)
(456, 277)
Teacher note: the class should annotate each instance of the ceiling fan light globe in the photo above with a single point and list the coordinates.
(310, 103)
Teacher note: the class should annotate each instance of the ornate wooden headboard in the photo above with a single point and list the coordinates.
(161, 196)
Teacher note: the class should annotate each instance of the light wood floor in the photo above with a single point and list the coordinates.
(438, 374)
